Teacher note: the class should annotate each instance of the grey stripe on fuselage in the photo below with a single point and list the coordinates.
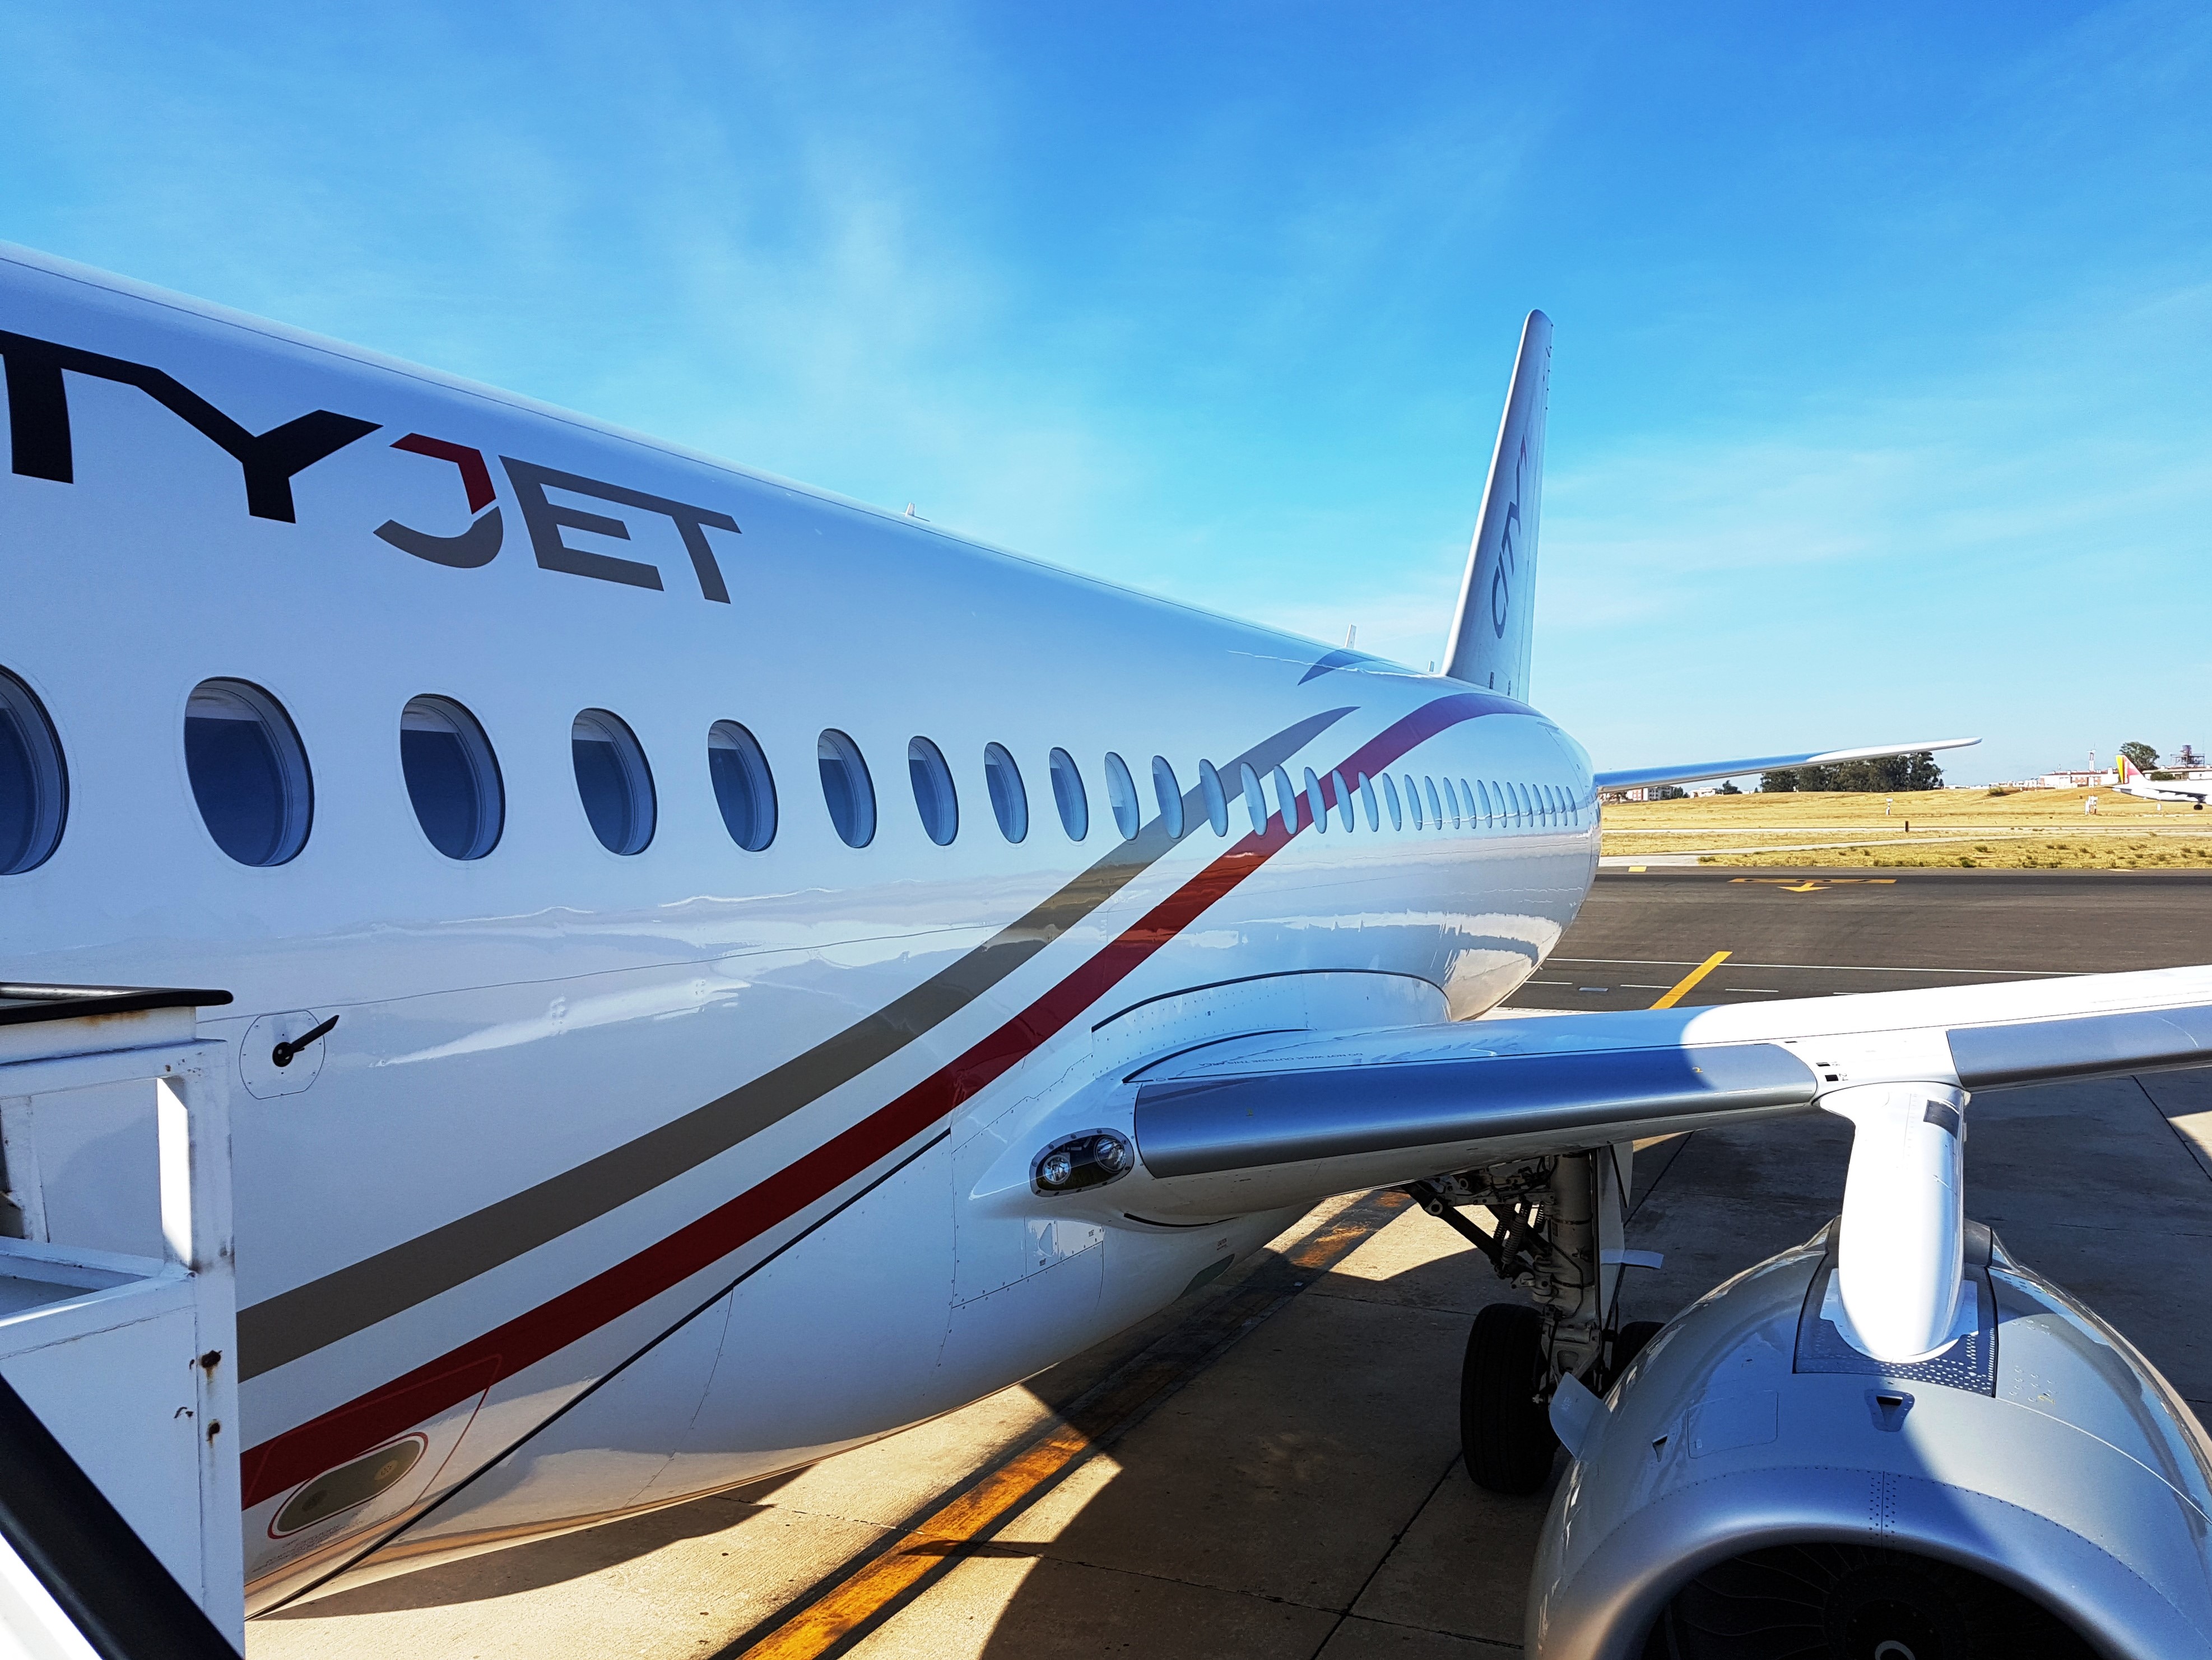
(292, 1323)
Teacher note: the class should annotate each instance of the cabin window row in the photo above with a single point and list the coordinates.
(252, 782)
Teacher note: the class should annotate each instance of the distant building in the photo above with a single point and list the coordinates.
(2079, 781)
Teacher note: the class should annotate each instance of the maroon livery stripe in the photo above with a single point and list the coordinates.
(306, 1451)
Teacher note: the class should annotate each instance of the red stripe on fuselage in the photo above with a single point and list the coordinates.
(286, 1460)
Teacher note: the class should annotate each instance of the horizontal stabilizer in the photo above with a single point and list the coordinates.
(1696, 771)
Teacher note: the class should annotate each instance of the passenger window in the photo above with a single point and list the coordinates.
(453, 777)
(745, 789)
(933, 797)
(33, 780)
(1317, 809)
(1286, 800)
(1169, 793)
(1390, 801)
(1528, 805)
(1413, 803)
(1466, 800)
(1010, 801)
(847, 789)
(1343, 799)
(1436, 807)
(248, 771)
(612, 780)
(1068, 796)
(1255, 800)
(1217, 802)
(1367, 794)
(1482, 796)
(1121, 795)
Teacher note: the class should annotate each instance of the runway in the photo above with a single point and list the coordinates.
(1269, 1468)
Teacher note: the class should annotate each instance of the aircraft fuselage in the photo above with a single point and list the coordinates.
(636, 1175)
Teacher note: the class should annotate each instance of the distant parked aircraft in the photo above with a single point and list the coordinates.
(2191, 790)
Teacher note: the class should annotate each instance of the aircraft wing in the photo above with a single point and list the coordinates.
(1694, 771)
(1269, 1121)
(1276, 1120)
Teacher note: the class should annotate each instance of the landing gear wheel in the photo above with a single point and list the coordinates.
(1505, 1432)
(1627, 1343)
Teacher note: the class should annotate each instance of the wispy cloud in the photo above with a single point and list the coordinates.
(1882, 336)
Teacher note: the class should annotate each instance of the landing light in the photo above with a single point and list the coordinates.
(1089, 1159)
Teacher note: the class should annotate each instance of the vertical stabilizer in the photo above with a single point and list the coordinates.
(1490, 633)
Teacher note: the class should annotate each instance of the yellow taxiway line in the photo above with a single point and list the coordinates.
(1681, 988)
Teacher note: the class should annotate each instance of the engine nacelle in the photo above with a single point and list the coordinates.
(1755, 1484)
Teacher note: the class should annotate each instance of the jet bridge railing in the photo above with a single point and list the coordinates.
(118, 1300)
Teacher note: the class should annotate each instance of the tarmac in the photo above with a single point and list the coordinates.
(1270, 1468)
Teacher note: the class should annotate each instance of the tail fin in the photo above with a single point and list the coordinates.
(2129, 771)
(1491, 630)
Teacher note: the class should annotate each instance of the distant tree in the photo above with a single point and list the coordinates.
(2144, 757)
(1921, 768)
(1669, 793)
(1728, 787)
(1887, 774)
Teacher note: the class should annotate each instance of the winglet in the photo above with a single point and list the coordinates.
(1491, 630)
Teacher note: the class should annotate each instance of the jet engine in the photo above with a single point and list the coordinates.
(1756, 1484)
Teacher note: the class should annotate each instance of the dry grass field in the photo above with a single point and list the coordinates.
(2026, 830)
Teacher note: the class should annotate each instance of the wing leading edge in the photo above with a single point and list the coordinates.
(1697, 771)
(1263, 1122)
(1288, 1118)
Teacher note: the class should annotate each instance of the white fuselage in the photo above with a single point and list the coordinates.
(2191, 792)
(659, 1170)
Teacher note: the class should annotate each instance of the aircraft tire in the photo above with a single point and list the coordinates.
(1628, 1343)
(1505, 1429)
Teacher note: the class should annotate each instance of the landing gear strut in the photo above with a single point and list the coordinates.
(1559, 1221)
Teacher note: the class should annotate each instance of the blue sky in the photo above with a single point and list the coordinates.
(1881, 399)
